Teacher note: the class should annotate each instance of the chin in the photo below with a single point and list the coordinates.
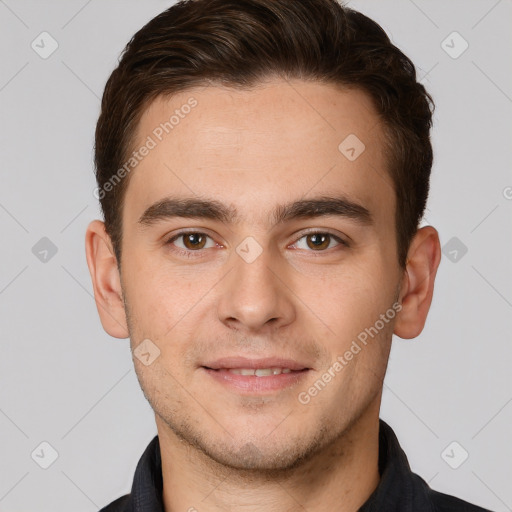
(268, 451)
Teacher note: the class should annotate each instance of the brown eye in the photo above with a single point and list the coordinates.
(318, 241)
(194, 240)
(191, 244)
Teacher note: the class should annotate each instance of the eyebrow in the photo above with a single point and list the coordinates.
(194, 208)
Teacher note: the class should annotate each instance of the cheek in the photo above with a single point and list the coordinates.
(352, 298)
(163, 299)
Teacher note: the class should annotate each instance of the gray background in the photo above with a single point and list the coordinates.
(66, 382)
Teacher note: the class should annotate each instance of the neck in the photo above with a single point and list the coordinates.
(340, 477)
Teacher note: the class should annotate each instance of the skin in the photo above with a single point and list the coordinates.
(253, 150)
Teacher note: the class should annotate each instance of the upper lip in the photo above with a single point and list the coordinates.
(243, 362)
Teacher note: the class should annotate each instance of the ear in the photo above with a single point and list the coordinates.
(417, 287)
(106, 280)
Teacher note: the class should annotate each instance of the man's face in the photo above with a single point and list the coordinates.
(259, 286)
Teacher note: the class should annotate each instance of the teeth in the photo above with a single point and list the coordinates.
(264, 372)
(260, 372)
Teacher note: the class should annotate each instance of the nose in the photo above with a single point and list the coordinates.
(255, 295)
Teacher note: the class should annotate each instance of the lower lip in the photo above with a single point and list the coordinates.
(254, 384)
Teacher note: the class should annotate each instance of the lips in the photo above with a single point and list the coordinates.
(258, 367)
(258, 372)
(236, 374)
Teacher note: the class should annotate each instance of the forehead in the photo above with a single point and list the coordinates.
(279, 141)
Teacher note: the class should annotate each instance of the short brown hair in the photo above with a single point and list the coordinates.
(239, 43)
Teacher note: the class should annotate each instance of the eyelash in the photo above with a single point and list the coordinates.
(190, 253)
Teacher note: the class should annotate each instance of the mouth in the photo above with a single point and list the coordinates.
(256, 376)
(268, 365)
(257, 372)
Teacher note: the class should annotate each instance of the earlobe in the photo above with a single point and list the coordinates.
(417, 290)
(106, 280)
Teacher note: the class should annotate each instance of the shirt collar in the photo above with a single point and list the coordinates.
(399, 489)
(146, 495)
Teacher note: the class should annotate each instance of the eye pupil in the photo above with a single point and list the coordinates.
(194, 241)
(318, 241)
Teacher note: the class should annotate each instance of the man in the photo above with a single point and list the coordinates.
(262, 167)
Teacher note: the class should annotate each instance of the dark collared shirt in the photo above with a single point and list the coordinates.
(399, 489)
